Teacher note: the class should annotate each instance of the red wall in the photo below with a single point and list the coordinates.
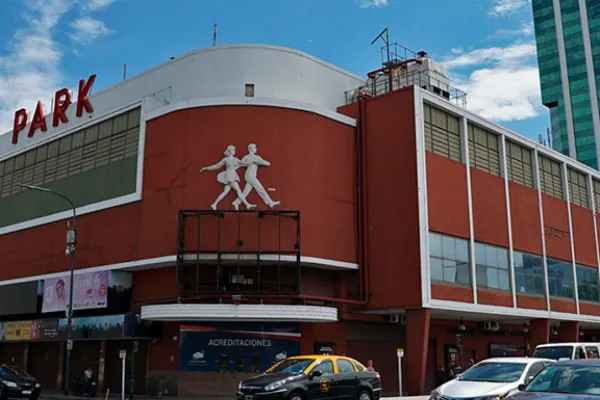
(447, 190)
(583, 236)
(312, 171)
(556, 218)
(393, 213)
(525, 218)
(490, 221)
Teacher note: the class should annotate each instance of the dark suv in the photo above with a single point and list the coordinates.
(15, 382)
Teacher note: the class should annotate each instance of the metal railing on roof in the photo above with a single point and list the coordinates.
(423, 79)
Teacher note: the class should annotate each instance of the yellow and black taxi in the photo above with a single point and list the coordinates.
(311, 378)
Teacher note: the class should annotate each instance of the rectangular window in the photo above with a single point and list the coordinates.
(578, 193)
(596, 187)
(442, 133)
(529, 274)
(550, 177)
(484, 152)
(492, 267)
(449, 259)
(518, 164)
(560, 279)
(587, 284)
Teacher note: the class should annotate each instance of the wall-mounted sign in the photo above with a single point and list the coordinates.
(62, 101)
(18, 331)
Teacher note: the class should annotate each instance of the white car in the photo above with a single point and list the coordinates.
(491, 379)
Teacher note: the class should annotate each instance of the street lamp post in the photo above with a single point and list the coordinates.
(71, 243)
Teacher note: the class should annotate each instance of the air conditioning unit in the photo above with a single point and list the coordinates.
(491, 326)
(397, 319)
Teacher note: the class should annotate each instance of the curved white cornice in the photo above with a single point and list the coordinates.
(239, 312)
(250, 101)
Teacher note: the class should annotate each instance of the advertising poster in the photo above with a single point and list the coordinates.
(236, 347)
(103, 327)
(44, 329)
(18, 331)
(89, 291)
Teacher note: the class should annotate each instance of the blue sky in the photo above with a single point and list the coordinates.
(488, 45)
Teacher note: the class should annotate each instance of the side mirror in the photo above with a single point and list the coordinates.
(315, 374)
(522, 387)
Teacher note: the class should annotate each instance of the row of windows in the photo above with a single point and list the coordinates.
(442, 136)
(450, 264)
(109, 141)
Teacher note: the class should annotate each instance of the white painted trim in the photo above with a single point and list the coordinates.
(422, 198)
(565, 180)
(102, 205)
(591, 75)
(511, 257)
(511, 135)
(564, 76)
(464, 139)
(90, 208)
(239, 312)
(536, 178)
(251, 101)
(273, 258)
(501, 311)
(147, 263)
(170, 260)
(594, 216)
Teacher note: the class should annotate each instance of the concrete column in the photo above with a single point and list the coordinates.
(417, 340)
(539, 332)
(101, 367)
(569, 331)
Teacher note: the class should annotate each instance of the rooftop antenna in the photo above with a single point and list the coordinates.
(385, 36)
(215, 34)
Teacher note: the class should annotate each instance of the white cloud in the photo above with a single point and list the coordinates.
(30, 71)
(526, 29)
(95, 5)
(373, 3)
(502, 8)
(86, 30)
(502, 83)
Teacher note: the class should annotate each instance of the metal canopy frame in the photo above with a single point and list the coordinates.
(196, 260)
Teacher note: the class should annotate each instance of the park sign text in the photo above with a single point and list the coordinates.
(62, 101)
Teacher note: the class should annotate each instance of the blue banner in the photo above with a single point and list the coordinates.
(236, 347)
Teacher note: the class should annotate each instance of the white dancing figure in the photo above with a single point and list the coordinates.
(252, 161)
(229, 178)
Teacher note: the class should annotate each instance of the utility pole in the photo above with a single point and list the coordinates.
(215, 34)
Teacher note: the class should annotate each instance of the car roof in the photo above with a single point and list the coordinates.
(517, 360)
(567, 344)
(322, 357)
(583, 362)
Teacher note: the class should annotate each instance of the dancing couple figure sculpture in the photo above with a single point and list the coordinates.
(230, 178)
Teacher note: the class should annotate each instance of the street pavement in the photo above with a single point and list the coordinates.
(60, 396)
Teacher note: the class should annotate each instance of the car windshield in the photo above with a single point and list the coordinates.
(494, 372)
(570, 379)
(554, 352)
(291, 366)
(6, 370)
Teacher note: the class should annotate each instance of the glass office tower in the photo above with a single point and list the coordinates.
(568, 49)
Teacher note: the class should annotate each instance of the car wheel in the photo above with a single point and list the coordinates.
(296, 396)
(364, 395)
